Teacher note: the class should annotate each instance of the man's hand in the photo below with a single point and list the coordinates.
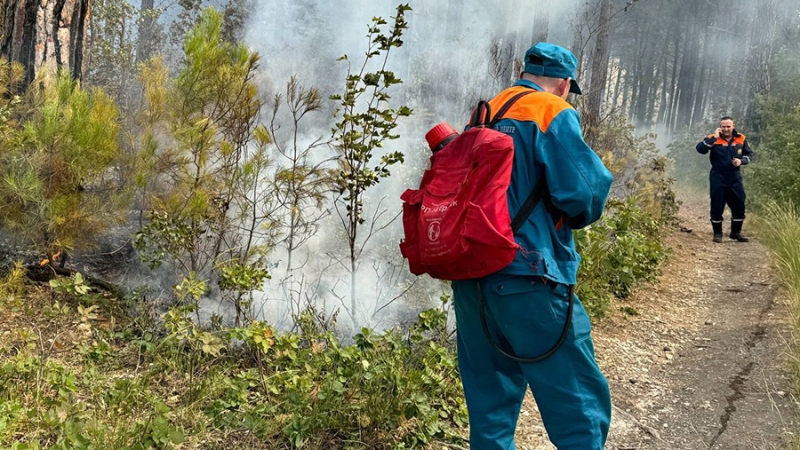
(737, 162)
(717, 132)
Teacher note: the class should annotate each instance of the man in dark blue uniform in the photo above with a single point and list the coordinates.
(728, 152)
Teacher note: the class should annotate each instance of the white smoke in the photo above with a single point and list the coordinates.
(445, 65)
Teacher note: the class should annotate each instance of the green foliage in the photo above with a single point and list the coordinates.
(110, 53)
(619, 251)
(11, 76)
(58, 189)
(247, 387)
(156, 432)
(781, 226)
(174, 237)
(241, 278)
(625, 247)
(637, 168)
(74, 285)
(190, 289)
(201, 185)
(774, 187)
(12, 286)
(773, 174)
(385, 388)
(300, 186)
(366, 123)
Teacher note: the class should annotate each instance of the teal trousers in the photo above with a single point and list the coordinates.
(525, 316)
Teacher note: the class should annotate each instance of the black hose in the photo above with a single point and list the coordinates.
(544, 355)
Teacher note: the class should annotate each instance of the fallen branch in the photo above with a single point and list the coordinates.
(649, 321)
(47, 272)
(454, 446)
(650, 430)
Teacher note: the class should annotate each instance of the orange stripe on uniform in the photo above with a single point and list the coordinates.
(538, 107)
(738, 140)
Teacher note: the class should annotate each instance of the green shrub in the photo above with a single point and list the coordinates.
(619, 251)
(773, 175)
(637, 168)
(201, 163)
(198, 388)
(386, 388)
(58, 188)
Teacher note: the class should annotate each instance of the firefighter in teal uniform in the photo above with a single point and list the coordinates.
(728, 151)
(526, 303)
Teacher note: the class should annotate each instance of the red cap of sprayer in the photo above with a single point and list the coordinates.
(440, 135)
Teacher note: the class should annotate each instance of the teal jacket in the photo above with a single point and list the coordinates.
(548, 143)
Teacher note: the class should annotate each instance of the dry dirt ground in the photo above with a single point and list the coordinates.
(703, 364)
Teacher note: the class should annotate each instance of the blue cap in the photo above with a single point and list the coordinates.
(550, 60)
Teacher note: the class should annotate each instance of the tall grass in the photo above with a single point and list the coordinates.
(781, 230)
(780, 226)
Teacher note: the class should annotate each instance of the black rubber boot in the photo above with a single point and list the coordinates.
(736, 231)
(717, 231)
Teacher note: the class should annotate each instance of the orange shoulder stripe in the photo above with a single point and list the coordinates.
(737, 140)
(538, 107)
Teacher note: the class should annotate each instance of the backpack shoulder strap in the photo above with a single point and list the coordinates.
(539, 191)
(504, 109)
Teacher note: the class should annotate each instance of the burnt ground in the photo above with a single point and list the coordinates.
(703, 364)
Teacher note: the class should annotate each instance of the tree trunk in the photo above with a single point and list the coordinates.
(44, 36)
(686, 82)
(617, 83)
(645, 79)
(637, 74)
(541, 23)
(626, 91)
(670, 120)
(652, 94)
(578, 39)
(761, 54)
(662, 104)
(353, 301)
(599, 67)
(144, 48)
(701, 82)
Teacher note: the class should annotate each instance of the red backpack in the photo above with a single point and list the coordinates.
(457, 225)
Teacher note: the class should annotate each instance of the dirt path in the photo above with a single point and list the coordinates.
(702, 365)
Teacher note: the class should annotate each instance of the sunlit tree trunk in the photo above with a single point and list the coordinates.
(45, 35)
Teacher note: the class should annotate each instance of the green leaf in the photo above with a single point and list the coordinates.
(176, 437)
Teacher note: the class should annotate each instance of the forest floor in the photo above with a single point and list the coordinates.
(703, 363)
